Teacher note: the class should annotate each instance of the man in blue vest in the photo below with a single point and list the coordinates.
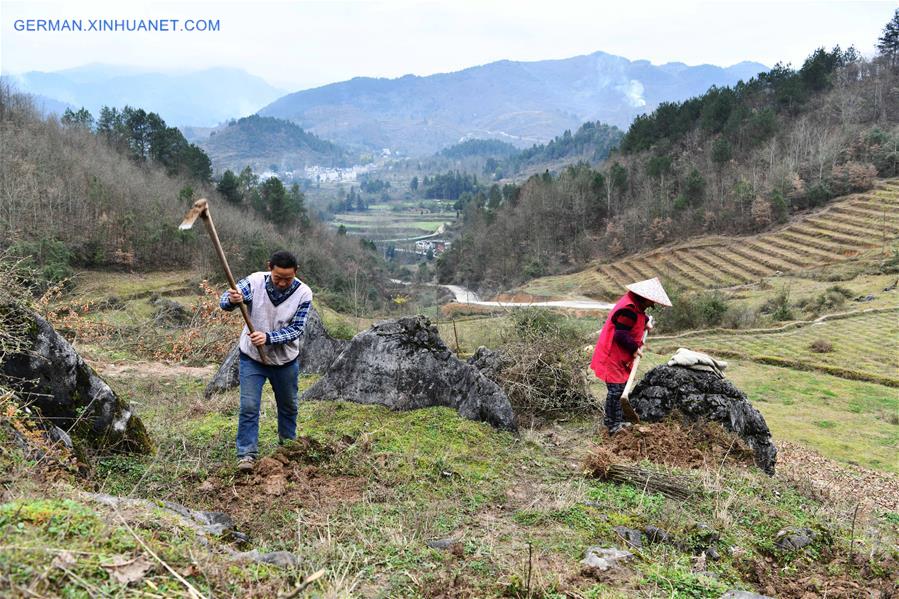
(278, 304)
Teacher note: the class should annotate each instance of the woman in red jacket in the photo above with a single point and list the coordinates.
(620, 342)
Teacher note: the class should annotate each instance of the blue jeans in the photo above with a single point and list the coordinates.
(614, 414)
(284, 380)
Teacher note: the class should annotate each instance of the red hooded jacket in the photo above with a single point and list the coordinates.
(611, 362)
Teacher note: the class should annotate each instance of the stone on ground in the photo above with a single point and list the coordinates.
(53, 378)
(404, 365)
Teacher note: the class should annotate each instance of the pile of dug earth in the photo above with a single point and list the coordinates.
(703, 401)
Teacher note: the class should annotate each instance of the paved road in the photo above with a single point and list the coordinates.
(464, 296)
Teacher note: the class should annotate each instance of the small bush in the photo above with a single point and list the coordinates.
(699, 310)
(817, 194)
(49, 259)
(545, 370)
(340, 329)
(779, 306)
(852, 177)
(739, 317)
(821, 346)
(833, 297)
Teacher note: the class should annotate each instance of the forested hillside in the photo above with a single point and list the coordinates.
(591, 142)
(263, 142)
(734, 160)
(111, 193)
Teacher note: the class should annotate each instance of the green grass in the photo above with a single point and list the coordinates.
(424, 474)
(386, 482)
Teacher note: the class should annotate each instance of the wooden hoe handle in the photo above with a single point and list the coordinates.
(207, 220)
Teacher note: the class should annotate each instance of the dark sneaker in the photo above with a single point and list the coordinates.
(246, 463)
(619, 427)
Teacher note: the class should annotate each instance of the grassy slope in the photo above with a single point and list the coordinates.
(415, 476)
(398, 480)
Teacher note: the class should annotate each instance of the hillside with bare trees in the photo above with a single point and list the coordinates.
(71, 196)
(737, 160)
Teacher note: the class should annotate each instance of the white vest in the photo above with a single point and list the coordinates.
(267, 317)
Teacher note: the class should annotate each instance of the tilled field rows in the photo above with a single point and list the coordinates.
(861, 347)
(848, 227)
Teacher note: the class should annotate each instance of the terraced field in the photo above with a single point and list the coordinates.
(381, 223)
(848, 227)
(862, 346)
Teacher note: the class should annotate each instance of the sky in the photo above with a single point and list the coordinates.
(302, 44)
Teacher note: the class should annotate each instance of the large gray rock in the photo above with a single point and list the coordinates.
(404, 365)
(317, 350)
(698, 394)
(68, 393)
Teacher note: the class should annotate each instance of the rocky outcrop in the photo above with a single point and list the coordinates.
(317, 350)
(404, 365)
(489, 362)
(698, 394)
(51, 375)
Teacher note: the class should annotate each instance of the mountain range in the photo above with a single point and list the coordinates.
(519, 102)
(201, 98)
(522, 103)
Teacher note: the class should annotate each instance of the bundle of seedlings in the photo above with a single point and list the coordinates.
(604, 465)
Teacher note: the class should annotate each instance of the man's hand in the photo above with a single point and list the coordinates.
(638, 353)
(235, 296)
(257, 338)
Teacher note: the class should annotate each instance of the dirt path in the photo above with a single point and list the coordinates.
(151, 369)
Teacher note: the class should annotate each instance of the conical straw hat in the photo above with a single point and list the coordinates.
(651, 289)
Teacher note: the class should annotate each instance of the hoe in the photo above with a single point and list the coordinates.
(200, 209)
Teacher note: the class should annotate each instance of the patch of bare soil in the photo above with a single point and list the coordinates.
(872, 578)
(152, 369)
(700, 445)
(823, 478)
(289, 479)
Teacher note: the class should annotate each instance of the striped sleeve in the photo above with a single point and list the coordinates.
(245, 289)
(292, 331)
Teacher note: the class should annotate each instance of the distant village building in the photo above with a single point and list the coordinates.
(326, 173)
(437, 246)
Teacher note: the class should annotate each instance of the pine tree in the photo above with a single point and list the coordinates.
(229, 187)
(888, 44)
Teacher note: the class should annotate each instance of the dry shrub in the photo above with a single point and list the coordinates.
(545, 370)
(210, 335)
(852, 177)
(206, 338)
(821, 346)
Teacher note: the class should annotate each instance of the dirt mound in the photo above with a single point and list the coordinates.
(293, 477)
(704, 396)
(826, 576)
(672, 442)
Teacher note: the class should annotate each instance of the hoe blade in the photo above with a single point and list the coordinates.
(197, 210)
